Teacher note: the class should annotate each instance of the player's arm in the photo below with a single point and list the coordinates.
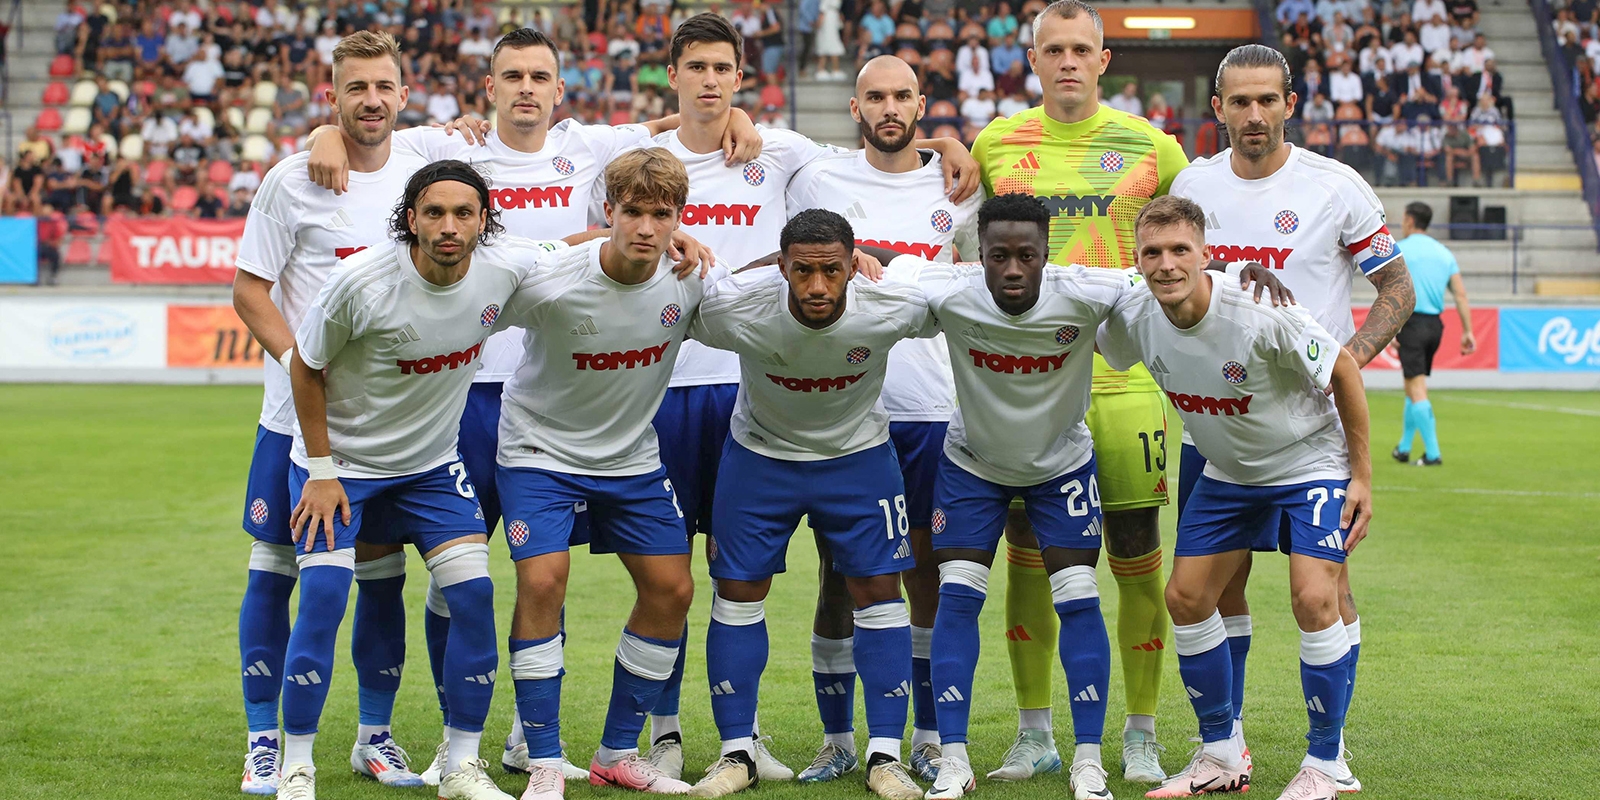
(1350, 397)
(962, 176)
(1396, 300)
(264, 249)
(329, 165)
(741, 142)
(252, 300)
(321, 336)
(1359, 215)
(1458, 290)
(1249, 272)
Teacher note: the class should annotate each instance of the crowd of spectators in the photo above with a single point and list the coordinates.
(1406, 91)
(1576, 26)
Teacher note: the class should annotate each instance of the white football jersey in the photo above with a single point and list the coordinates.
(1023, 381)
(807, 394)
(1315, 221)
(738, 212)
(599, 356)
(1248, 379)
(550, 194)
(296, 233)
(399, 352)
(907, 212)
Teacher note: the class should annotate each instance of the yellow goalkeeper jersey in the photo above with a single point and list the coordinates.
(1094, 176)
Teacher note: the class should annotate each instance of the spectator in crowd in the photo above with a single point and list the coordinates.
(1127, 100)
(1383, 101)
(939, 79)
(60, 185)
(1434, 36)
(972, 71)
(1409, 51)
(93, 179)
(1490, 83)
(149, 43)
(67, 23)
(1002, 25)
(1337, 35)
(877, 27)
(1475, 57)
(830, 40)
(25, 190)
(1491, 139)
(207, 205)
(180, 46)
(1419, 93)
(978, 111)
(1424, 10)
(117, 53)
(1460, 150)
(1014, 103)
(1290, 10)
(1158, 112)
(1453, 107)
(159, 131)
(52, 228)
(201, 76)
(1346, 86)
(188, 158)
(1397, 147)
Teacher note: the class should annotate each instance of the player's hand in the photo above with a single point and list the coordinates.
(867, 265)
(692, 257)
(472, 129)
(767, 260)
(741, 142)
(319, 500)
(1469, 343)
(1265, 281)
(1356, 515)
(329, 165)
(961, 174)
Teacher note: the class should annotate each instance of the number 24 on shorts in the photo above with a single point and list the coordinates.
(1076, 506)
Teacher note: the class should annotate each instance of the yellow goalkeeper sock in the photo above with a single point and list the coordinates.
(1143, 628)
(1032, 627)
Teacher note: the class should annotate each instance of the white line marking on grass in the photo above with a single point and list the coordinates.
(1582, 412)
(1508, 492)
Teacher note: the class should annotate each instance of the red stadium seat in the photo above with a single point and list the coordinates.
(155, 171)
(78, 251)
(943, 108)
(48, 120)
(220, 172)
(621, 116)
(184, 198)
(56, 94)
(63, 66)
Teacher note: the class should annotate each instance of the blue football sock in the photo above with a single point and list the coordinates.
(1324, 678)
(1408, 428)
(308, 667)
(1428, 428)
(1353, 634)
(667, 704)
(1085, 649)
(833, 675)
(436, 630)
(1206, 667)
(736, 655)
(536, 670)
(963, 586)
(264, 632)
(378, 635)
(642, 667)
(882, 648)
(923, 716)
(471, 656)
(1239, 630)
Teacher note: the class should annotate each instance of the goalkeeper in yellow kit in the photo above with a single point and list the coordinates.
(1094, 167)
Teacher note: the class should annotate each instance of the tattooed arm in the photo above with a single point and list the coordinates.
(1396, 300)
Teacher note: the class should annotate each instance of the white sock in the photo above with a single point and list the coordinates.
(463, 747)
(1229, 751)
(1037, 719)
(957, 751)
(553, 763)
(1140, 722)
(1238, 730)
(297, 749)
(846, 740)
(745, 743)
(272, 738)
(516, 736)
(607, 757)
(662, 726)
(883, 744)
(921, 737)
(1086, 752)
(364, 733)
(1322, 765)
(755, 727)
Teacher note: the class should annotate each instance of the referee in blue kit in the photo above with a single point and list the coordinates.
(1433, 269)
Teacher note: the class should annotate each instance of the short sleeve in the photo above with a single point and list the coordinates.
(1116, 343)
(1301, 344)
(327, 326)
(609, 141)
(1170, 160)
(980, 153)
(802, 192)
(966, 233)
(713, 321)
(268, 236)
(794, 152)
(1359, 214)
(525, 307)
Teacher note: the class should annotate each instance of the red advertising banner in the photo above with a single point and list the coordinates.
(1485, 328)
(172, 250)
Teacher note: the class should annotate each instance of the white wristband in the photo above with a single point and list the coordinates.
(286, 359)
(322, 469)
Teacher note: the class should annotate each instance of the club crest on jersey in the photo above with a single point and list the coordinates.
(1066, 334)
(1111, 161)
(711, 547)
(942, 221)
(755, 174)
(490, 313)
(1286, 222)
(670, 315)
(517, 532)
(563, 165)
(857, 355)
(938, 520)
(1233, 372)
(1382, 245)
(258, 511)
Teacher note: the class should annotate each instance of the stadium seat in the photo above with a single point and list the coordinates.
(48, 120)
(258, 121)
(83, 93)
(943, 108)
(63, 66)
(110, 142)
(145, 88)
(265, 93)
(234, 116)
(55, 94)
(301, 87)
(947, 132)
(79, 251)
(119, 88)
(184, 198)
(219, 172)
(205, 117)
(621, 116)
(255, 148)
(156, 171)
(132, 147)
(77, 121)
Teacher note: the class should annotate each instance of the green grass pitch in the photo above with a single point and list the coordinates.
(119, 675)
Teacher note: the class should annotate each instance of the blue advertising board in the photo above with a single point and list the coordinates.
(19, 250)
(1549, 339)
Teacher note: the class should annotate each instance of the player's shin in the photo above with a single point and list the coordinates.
(1239, 630)
(1323, 678)
(664, 717)
(925, 721)
(642, 667)
(736, 655)
(308, 666)
(883, 649)
(378, 642)
(833, 675)
(1031, 628)
(1085, 653)
(1353, 634)
(472, 655)
(536, 670)
(264, 636)
(963, 586)
(1142, 626)
(436, 631)
(1206, 667)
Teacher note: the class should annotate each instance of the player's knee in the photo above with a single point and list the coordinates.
(462, 573)
(876, 589)
(964, 574)
(1074, 584)
(737, 613)
(436, 603)
(539, 583)
(1186, 603)
(392, 565)
(677, 596)
(1315, 606)
(274, 558)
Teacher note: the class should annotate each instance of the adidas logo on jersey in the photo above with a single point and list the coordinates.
(259, 670)
(835, 690)
(1088, 695)
(1157, 367)
(950, 695)
(903, 690)
(406, 334)
(775, 360)
(1332, 541)
(393, 672)
(721, 689)
(585, 328)
(307, 679)
(482, 680)
(1315, 704)
(1029, 161)
(340, 219)
(855, 211)
(975, 332)
(1211, 222)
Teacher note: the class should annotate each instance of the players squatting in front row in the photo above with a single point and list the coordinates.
(381, 369)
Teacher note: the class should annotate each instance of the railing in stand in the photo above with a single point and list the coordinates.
(1563, 79)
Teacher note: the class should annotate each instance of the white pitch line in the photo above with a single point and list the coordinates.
(1507, 492)
(1582, 412)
